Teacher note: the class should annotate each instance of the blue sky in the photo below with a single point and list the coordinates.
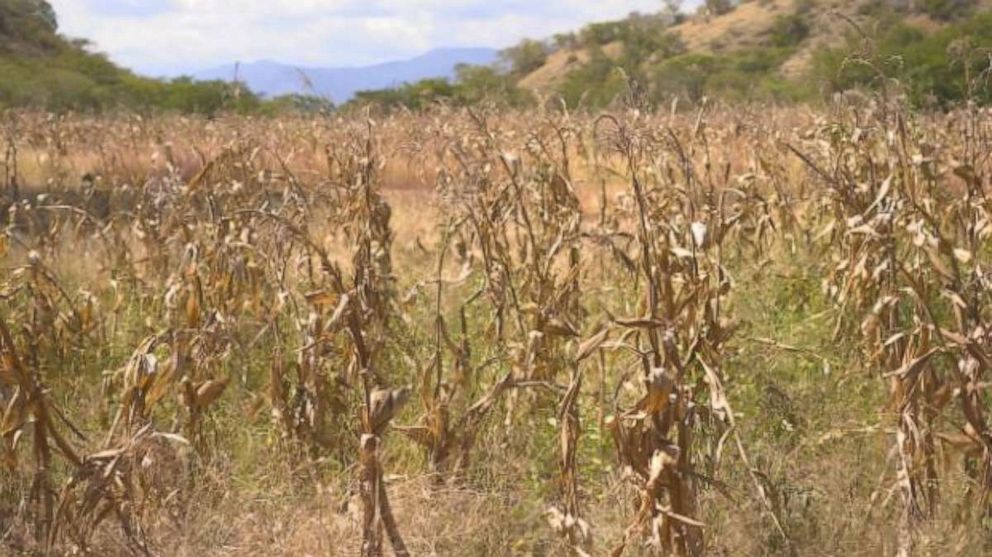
(167, 37)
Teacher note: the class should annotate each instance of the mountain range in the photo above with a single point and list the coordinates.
(340, 84)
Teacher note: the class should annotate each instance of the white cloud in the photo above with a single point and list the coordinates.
(172, 36)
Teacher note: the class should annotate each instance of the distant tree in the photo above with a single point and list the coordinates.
(46, 13)
(789, 30)
(565, 40)
(476, 84)
(673, 7)
(947, 10)
(307, 104)
(719, 7)
(28, 12)
(526, 56)
(672, 11)
(28, 26)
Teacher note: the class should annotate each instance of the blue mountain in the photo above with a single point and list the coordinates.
(340, 84)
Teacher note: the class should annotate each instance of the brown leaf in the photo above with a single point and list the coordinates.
(591, 344)
(914, 366)
(209, 391)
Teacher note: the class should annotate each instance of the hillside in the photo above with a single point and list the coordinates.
(340, 84)
(560, 63)
(779, 36)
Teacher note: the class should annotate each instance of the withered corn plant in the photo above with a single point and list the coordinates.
(100, 485)
(165, 279)
(369, 313)
(354, 314)
(678, 335)
(10, 181)
(907, 227)
(29, 418)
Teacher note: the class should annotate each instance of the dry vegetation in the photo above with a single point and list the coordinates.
(726, 332)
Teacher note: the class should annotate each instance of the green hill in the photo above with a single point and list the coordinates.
(41, 68)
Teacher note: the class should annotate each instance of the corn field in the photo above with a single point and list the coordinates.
(724, 331)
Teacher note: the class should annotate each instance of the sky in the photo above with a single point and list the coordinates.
(170, 37)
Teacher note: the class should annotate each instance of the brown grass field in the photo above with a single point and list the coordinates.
(725, 331)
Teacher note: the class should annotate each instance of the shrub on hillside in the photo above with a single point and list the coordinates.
(749, 74)
(947, 10)
(594, 84)
(525, 57)
(789, 30)
(942, 67)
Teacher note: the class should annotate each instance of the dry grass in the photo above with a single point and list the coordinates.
(733, 332)
(744, 26)
(560, 63)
